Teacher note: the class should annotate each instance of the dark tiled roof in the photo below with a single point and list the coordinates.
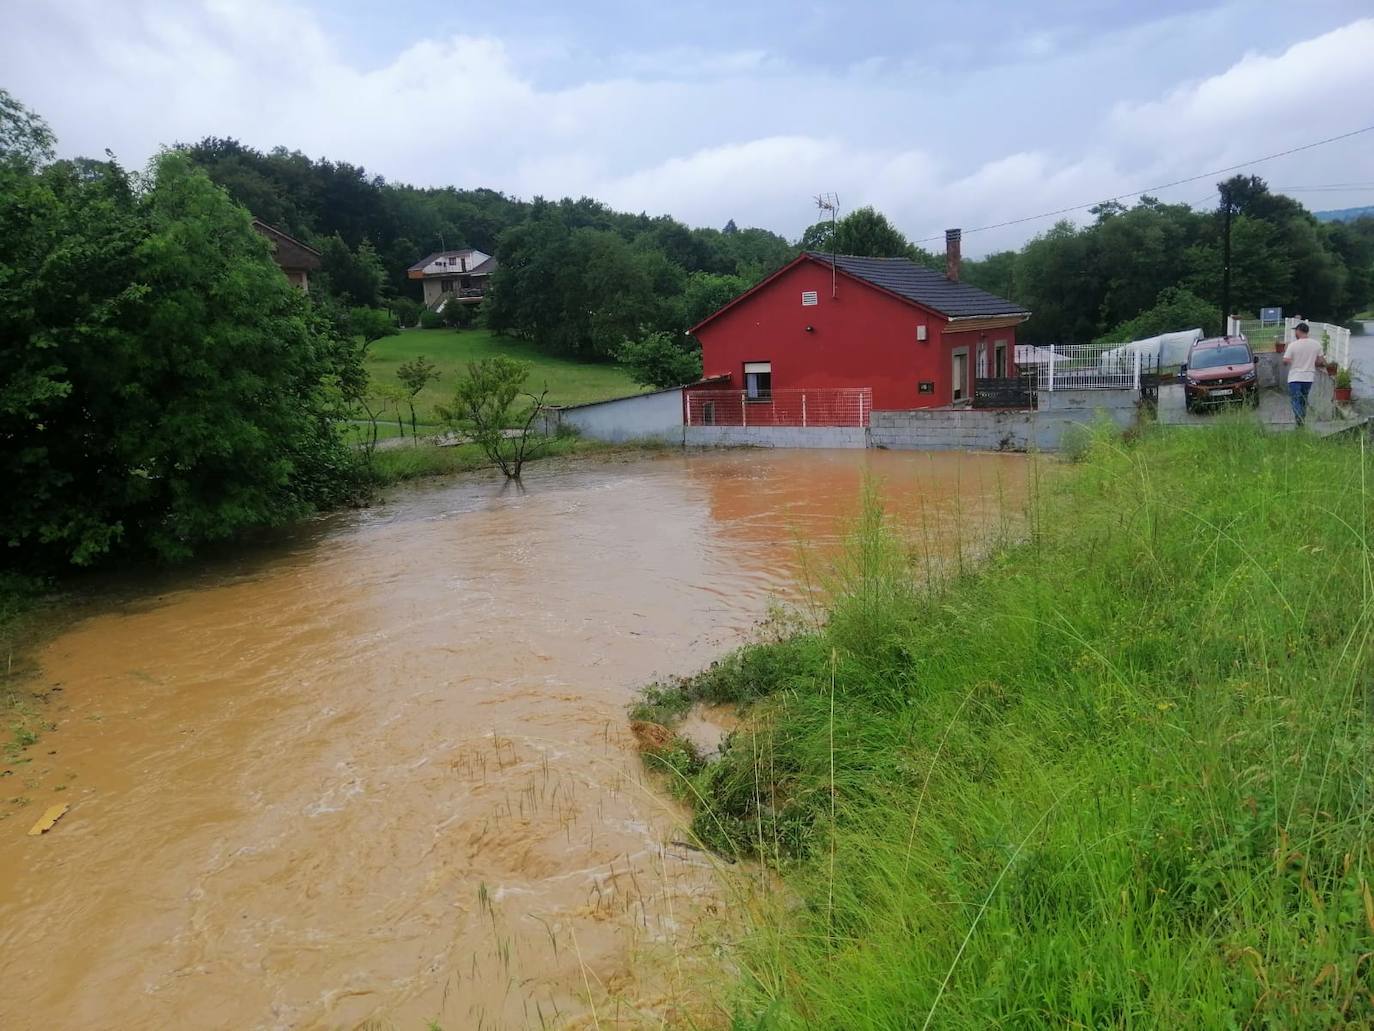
(926, 287)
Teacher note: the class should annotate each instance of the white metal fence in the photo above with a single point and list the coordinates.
(1335, 340)
(834, 406)
(1085, 367)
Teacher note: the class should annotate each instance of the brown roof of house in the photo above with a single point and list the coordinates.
(287, 251)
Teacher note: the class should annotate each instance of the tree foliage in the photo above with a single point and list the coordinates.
(1174, 309)
(492, 405)
(1086, 283)
(415, 375)
(161, 384)
(371, 324)
(657, 360)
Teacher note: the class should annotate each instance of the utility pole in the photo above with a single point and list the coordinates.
(1226, 256)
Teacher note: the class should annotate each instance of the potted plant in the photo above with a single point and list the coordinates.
(1342, 388)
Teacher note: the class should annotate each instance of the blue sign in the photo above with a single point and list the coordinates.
(1271, 316)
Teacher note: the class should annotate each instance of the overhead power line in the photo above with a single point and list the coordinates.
(1156, 189)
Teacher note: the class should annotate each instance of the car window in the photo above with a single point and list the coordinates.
(1215, 357)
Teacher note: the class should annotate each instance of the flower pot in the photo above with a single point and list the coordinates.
(1341, 393)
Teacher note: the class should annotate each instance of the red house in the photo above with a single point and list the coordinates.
(830, 330)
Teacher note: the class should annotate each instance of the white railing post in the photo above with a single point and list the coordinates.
(1135, 378)
(744, 408)
(1051, 386)
(803, 407)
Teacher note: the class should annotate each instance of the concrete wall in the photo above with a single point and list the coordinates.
(971, 429)
(777, 436)
(656, 416)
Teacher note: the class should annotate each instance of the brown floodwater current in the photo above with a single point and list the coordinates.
(377, 771)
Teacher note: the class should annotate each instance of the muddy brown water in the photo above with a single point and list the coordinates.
(378, 771)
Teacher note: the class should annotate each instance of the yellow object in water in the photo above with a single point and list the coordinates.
(44, 824)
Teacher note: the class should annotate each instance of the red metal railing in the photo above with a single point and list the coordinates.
(833, 406)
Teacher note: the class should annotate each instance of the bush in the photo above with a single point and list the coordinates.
(371, 323)
(430, 319)
(658, 361)
(1175, 309)
(457, 315)
(406, 311)
(181, 391)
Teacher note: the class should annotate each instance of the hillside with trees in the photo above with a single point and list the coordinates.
(1140, 270)
(579, 278)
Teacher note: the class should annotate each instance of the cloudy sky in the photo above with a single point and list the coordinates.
(939, 112)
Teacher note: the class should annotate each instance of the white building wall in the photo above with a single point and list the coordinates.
(656, 416)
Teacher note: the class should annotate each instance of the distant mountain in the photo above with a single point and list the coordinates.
(1344, 214)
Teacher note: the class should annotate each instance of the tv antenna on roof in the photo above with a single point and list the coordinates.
(830, 202)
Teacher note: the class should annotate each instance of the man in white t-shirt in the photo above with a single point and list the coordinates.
(1302, 357)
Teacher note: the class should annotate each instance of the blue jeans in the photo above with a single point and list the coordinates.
(1297, 394)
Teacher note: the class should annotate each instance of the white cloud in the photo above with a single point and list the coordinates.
(1313, 89)
(737, 133)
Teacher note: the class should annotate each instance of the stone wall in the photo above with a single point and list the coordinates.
(777, 436)
(974, 429)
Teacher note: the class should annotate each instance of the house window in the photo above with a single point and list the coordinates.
(758, 380)
(982, 359)
(999, 359)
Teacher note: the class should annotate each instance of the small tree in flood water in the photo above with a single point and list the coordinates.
(493, 407)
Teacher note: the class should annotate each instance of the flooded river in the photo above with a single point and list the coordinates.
(378, 771)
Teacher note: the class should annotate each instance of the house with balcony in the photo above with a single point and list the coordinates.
(462, 276)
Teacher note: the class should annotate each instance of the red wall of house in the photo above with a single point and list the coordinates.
(860, 337)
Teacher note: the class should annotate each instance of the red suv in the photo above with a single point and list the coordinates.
(1220, 370)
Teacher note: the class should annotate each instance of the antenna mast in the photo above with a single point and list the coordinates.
(830, 202)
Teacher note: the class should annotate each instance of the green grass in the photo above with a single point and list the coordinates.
(1119, 777)
(570, 382)
(20, 603)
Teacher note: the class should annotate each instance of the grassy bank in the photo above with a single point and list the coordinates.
(570, 382)
(1120, 777)
(396, 465)
(21, 718)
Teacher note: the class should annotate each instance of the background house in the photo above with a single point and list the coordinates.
(295, 258)
(914, 336)
(458, 275)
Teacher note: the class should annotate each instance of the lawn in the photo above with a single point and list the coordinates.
(570, 382)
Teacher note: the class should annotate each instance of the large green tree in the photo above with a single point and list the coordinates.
(161, 384)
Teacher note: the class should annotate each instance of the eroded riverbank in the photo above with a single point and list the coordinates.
(380, 769)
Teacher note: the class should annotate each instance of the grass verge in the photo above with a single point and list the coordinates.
(570, 382)
(396, 465)
(1119, 777)
(20, 717)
